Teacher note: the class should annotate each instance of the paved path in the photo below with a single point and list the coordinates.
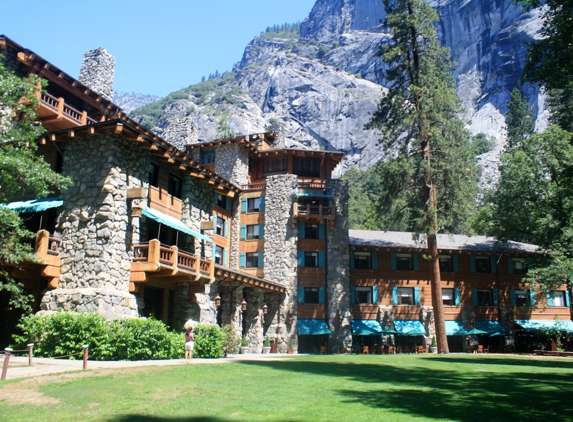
(19, 368)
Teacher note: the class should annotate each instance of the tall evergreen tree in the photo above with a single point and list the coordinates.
(419, 116)
(519, 118)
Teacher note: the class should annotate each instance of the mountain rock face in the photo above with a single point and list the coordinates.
(321, 88)
(129, 102)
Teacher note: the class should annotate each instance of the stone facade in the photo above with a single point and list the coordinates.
(280, 259)
(232, 163)
(97, 72)
(180, 132)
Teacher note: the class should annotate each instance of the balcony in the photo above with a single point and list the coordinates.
(55, 114)
(154, 259)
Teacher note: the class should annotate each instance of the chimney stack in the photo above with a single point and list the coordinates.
(97, 72)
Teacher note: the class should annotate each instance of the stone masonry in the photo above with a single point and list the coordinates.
(97, 72)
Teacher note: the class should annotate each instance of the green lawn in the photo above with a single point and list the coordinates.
(306, 388)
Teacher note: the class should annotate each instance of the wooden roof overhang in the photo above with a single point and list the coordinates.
(148, 140)
(35, 64)
(449, 251)
(228, 274)
(335, 157)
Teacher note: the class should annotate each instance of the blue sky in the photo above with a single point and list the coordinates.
(160, 46)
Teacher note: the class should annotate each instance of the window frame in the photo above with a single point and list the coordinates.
(207, 156)
(221, 226)
(361, 292)
(306, 166)
(411, 295)
(310, 293)
(446, 259)
(219, 252)
(252, 259)
(452, 298)
(249, 232)
(363, 260)
(175, 186)
(275, 165)
(479, 268)
(401, 258)
(311, 255)
(481, 294)
(256, 201)
(519, 295)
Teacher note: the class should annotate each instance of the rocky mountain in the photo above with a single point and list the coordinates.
(129, 102)
(318, 83)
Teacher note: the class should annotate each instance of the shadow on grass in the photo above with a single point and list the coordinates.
(147, 418)
(452, 388)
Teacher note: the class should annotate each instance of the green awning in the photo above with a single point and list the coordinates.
(312, 327)
(366, 327)
(173, 223)
(455, 328)
(34, 205)
(314, 195)
(490, 326)
(405, 326)
(531, 326)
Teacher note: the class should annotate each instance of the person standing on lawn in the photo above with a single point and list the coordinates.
(189, 343)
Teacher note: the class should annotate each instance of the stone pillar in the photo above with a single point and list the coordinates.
(254, 318)
(97, 72)
(338, 267)
(235, 227)
(280, 258)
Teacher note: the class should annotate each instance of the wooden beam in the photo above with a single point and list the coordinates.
(118, 128)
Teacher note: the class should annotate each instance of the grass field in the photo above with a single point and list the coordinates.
(306, 388)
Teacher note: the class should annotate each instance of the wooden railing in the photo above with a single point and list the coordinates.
(255, 186)
(60, 108)
(313, 210)
(54, 246)
(186, 260)
(312, 185)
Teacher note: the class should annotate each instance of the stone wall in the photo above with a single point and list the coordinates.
(97, 72)
(338, 267)
(280, 259)
(198, 201)
(95, 226)
(232, 163)
(180, 132)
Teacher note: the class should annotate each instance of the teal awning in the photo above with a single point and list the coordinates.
(455, 328)
(490, 326)
(314, 195)
(366, 327)
(173, 223)
(405, 326)
(34, 205)
(534, 325)
(312, 327)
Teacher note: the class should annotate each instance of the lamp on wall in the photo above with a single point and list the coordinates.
(244, 305)
(218, 300)
(265, 309)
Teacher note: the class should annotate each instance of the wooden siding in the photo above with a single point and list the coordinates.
(311, 311)
(311, 277)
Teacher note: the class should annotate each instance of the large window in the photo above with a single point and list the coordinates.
(518, 266)
(221, 200)
(311, 259)
(174, 187)
(253, 204)
(448, 297)
(311, 295)
(484, 297)
(219, 255)
(404, 261)
(311, 231)
(521, 298)
(482, 264)
(275, 165)
(558, 299)
(405, 296)
(446, 263)
(253, 232)
(363, 295)
(221, 226)
(363, 260)
(252, 260)
(208, 156)
(306, 166)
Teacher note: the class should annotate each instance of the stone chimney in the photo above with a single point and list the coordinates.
(98, 67)
(181, 131)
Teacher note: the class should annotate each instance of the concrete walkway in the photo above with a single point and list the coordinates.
(19, 368)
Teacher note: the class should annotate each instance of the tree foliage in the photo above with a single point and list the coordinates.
(519, 119)
(24, 172)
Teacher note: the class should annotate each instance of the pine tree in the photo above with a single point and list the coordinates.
(419, 117)
(519, 118)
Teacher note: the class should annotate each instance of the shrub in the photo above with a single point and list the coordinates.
(231, 341)
(267, 342)
(209, 340)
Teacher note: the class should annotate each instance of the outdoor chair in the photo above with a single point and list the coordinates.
(365, 350)
(480, 348)
(323, 350)
(399, 349)
(421, 349)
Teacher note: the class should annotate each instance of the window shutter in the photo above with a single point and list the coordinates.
(393, 259)
(244, 205)
(549, 300)
(261, 230)
(227, 203)
(374, 260)
(417, 296)
(321, 295)
(512, 297)
(215, 219)
(215, 201)
(457, 298)
(416, 261)
(475, 296)
(321, 231)
(495, 297)
(301, 230)
(300, 298)
(243, 259)
(351, 259)
(455, 265)
(394, 295)
(262, 204)
(261, 259)
(226, 228)
(243, 232)
(301, 258)
(321, 259)
(375, 295)
(532, 297)
(225, 258)
(567, 299)
(473, 263)
(493, 262)
(352, 295)
(510, 266)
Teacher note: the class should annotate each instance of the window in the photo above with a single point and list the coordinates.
(311, 295)
(521, 298)
(306, 167)
(253, 204)
(362, 260)
(275, 165)
(208, 156)
(221, 200)
(311, 231)
(252, 260)
(252, 232)
(482, 264)
(558, 299)
(405, 296)
(219, 255)
(448, 298)
(363, 295)
(518, 266)
(404, 261)
(311, 259)
(220, 226)
(446, 263)
(174, 187)
(484, 297)
(153, 174)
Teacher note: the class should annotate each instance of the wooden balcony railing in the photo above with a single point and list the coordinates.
(46, 249)
(301, 184)
(313, 210)
(169, 261)
(55, 109)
